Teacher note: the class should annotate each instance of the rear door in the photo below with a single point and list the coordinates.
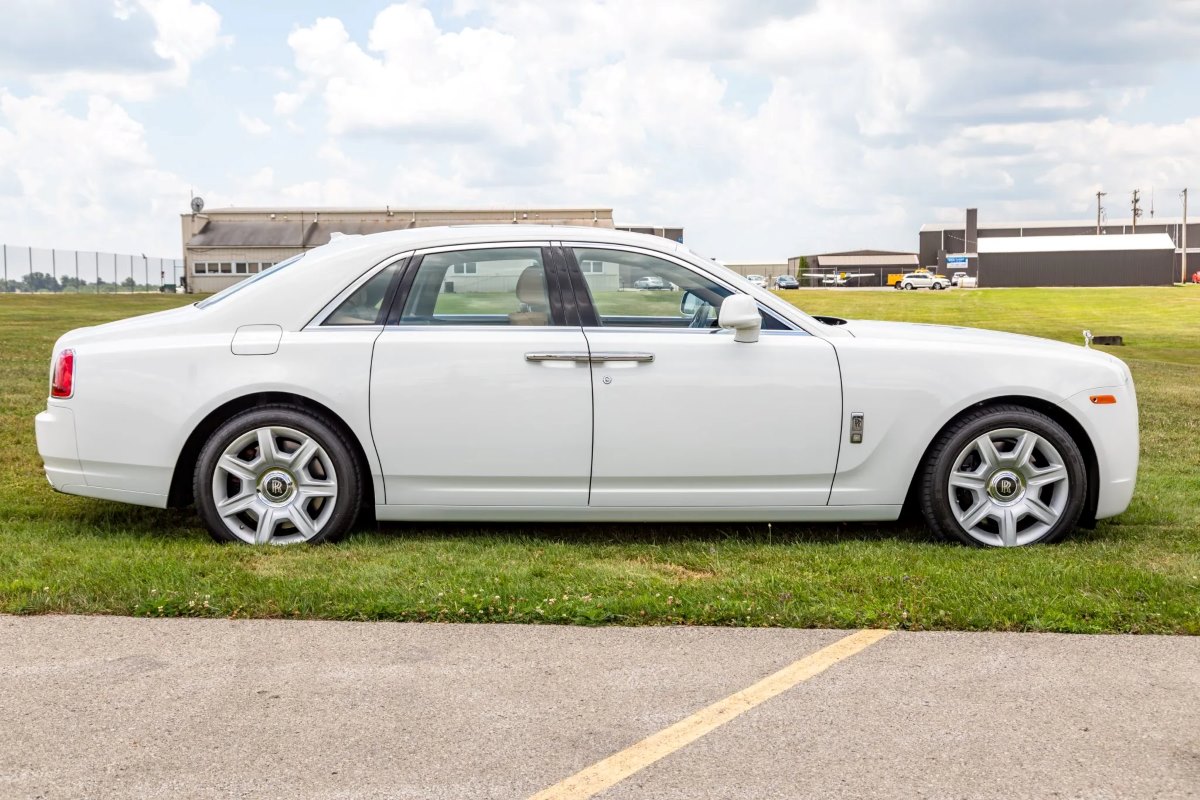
(686, 416)
(480, 390)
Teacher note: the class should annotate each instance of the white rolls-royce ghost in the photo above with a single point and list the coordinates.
(509, 373)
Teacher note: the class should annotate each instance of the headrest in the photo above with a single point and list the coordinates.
(531, 286)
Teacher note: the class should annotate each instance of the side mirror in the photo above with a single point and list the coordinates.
(689, 303)
(740, 312)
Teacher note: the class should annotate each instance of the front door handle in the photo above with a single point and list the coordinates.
(644, 358)
(594, 358)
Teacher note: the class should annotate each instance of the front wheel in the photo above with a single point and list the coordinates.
(908, 286)
(277, 474)
(1004, 476)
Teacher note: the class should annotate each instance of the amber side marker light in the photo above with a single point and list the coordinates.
(1103, 399)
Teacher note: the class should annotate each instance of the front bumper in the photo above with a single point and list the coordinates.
(1113, 431)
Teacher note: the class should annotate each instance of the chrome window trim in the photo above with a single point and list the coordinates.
(789, 325)
(320, 317)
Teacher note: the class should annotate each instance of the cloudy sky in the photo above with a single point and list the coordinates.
(766, 128)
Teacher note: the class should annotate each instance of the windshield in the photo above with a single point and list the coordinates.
(237, 287)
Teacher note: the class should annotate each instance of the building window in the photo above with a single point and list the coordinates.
(253, 265)
(466, 268)
(226, 268)
(265, 265)
(240, 268)
(199, 268)
(589, 266)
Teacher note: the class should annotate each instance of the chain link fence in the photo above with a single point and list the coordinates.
(35, 269)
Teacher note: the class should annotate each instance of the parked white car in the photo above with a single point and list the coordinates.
(956, 278)
(922, 280)
(478, 373)
(758, 280)
(649, 282)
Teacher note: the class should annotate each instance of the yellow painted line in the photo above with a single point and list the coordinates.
(619, 766)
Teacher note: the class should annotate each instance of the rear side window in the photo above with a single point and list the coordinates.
(496, 286)
(364, 306)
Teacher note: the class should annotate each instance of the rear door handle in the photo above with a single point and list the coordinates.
(578, 357)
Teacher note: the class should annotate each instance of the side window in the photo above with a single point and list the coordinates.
(635, 290)
(365, 305)
(498, 286)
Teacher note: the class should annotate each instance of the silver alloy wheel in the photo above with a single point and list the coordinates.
(1008, 487)
(274, 485)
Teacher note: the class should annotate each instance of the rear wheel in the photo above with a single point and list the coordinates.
(1004, 476)
(277, 475)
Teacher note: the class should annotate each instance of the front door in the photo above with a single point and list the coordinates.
(684, 415)
(480, 396)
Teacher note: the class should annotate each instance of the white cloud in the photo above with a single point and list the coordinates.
(101, 196)
(253, 125)
(288, 103)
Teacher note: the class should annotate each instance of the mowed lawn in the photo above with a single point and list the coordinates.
(1138, 573)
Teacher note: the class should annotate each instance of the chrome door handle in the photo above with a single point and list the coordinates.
(578, 357)
(644, 358)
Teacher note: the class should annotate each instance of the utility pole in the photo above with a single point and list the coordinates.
(1099, 210)
(1183, 258)
(1137, 212)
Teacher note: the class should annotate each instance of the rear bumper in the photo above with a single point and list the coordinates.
(57, 445)
(1113, 430)
(59, 448)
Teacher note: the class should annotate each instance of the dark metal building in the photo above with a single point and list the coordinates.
(939, 240)
(1142, 259)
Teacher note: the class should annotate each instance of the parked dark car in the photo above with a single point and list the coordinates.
(786, 282)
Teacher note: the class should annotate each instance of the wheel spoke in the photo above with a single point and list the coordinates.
(237, 468)
(987, 450)
(299, 517)
(1043, 477)
(965, 480)
(1040, 511)
(232, 506)
(1023, 450)
(266, 446)
(309, 489)
(268, 519)
(303, 454)
(1008, 526)
(975, 514)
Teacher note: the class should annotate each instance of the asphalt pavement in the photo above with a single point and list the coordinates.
(131, 708)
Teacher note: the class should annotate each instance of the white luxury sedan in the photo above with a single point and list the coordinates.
(504, 373)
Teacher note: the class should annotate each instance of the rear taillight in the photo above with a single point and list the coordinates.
(62, 382)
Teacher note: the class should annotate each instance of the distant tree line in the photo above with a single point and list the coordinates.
(43, 282)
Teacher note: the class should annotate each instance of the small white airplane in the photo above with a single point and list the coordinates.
(836, 278)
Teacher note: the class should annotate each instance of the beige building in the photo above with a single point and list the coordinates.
(224, 245)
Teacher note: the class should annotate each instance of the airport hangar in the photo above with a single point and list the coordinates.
(225, 245)
(1061, 253)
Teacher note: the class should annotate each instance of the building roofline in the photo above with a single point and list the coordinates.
(1074, 223)
(395, 211)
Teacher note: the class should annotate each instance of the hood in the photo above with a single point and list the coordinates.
(950, 334)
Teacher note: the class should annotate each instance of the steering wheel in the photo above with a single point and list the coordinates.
(701, 317)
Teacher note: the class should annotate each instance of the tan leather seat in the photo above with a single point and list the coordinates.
(531, 294)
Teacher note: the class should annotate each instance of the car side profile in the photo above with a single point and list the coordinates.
(922, 280)
(757, 280)
(787, 282)
(508, 373)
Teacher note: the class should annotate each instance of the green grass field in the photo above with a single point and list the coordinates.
(1138, 573)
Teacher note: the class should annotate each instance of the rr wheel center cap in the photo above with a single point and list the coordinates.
(1006, 486)
(276, 486)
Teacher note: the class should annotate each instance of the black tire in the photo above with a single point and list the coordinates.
(933, 493)
(349, 497)
(908, 286)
